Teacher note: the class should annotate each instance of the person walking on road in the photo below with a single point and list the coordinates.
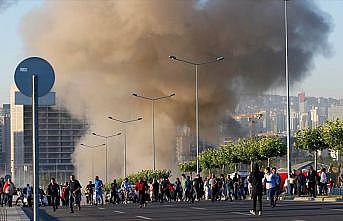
(141, 187)
(89, 193)
(98, 191)
(75, 193)
(125, 186)
(8, 189)
(255, 178)
(114, 191)
(270, 183)
(54, 193)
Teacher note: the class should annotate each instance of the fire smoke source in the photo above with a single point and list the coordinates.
(104, 51)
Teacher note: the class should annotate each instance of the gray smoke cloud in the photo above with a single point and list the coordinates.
(104, 51)
(4, 4)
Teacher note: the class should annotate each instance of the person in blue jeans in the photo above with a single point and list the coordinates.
(270, 181)
(98, 190)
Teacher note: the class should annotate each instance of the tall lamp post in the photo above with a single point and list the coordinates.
(152, 100)
(289, 163)
(124, 130)
(106, 147)
(196, 64)
(92, 147)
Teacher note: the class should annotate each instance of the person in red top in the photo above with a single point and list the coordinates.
(8, 189)
(141, 187)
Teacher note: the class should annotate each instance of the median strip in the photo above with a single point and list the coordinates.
(143, 217)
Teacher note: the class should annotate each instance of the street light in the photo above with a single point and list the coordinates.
(124, 130)
(196, 64)
(153, 99)
(106, 138)
(92, 147)
(289, 163)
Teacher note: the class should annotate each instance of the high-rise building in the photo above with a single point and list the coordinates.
(302, 102)
(5, 139)
(335, 112)
(314, 117)
(59, 132)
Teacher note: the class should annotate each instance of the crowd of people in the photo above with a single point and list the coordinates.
(228, 187)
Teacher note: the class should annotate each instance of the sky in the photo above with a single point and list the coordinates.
(325, 79)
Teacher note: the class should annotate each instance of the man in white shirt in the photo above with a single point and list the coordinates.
(270, 180)
(323, 182)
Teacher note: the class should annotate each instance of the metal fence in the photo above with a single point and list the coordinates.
(3, 214)
(338, 191)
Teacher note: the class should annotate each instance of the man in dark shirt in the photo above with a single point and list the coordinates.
(114, 190)
(89, 192)
(255, 178)
(312, 179)
(54, 193)
(75, 193)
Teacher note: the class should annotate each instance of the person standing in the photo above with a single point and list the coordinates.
(155, 190)
(65, 194)
(300, 181)
(54, 192)
(75, 193)
(214, 188)
(2, 195)
(292, 182)
(270, 183)
(255, 178)
(323, 182)
(178, 190)
(312, 179)
(114, 191)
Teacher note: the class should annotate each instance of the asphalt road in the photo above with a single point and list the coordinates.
(237, 210)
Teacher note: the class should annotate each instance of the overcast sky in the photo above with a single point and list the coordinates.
(325, 80)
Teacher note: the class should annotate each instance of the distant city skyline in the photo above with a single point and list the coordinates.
(324, 79)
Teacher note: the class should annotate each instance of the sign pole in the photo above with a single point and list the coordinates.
(35, 146)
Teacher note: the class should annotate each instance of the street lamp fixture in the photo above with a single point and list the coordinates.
(196, 64)
(106, 138)
(124, 131)
(153, 99)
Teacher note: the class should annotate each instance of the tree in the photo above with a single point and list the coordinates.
(207, 159)
(332, 133)
(310, 139)
(271, 147)
(189, 166)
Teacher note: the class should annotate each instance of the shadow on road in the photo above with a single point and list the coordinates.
(42, 214)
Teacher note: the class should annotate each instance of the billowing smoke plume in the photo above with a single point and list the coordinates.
(103, 51)
(4, 4)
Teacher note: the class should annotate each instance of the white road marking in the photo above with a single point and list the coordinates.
(143, 217)
(199, 208)
(338, 210)
(120, 212)
(101, 208)
(239, 213)
(167, 205)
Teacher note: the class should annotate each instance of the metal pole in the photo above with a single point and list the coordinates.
(35, 145)
(106, 160)
(289, 163)
(197, 114)
(93, 166)
(125, 151)
(153, 134)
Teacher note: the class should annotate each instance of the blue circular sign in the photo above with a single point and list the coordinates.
(41, 69)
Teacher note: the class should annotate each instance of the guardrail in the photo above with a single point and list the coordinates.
(3, 214)
(337, 191)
